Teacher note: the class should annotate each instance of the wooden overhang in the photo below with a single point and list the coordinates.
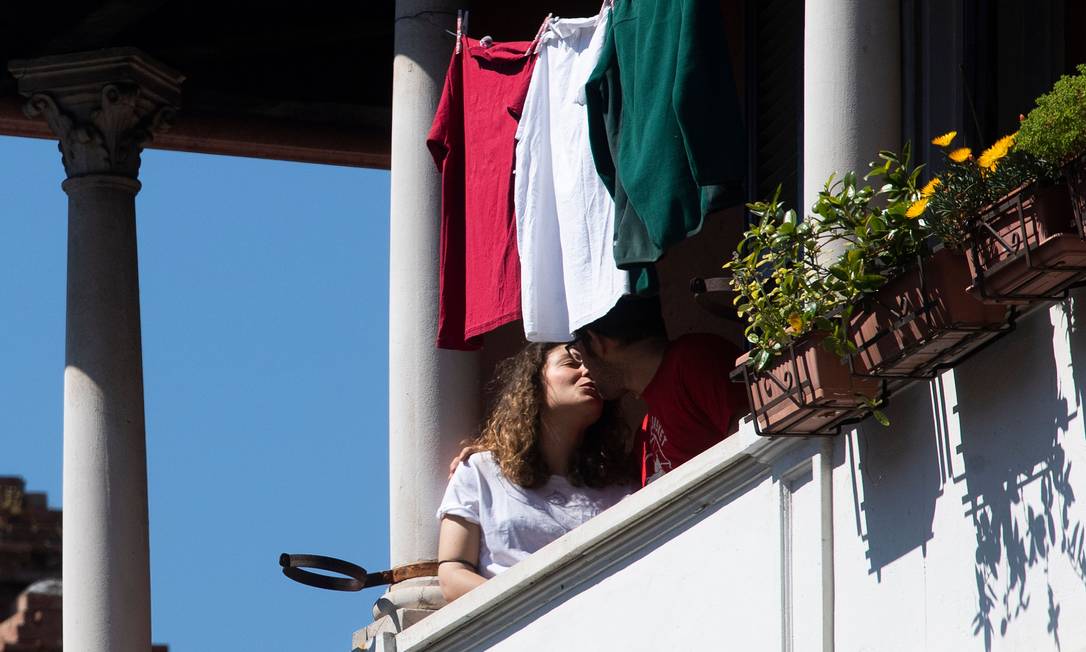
(292, 81)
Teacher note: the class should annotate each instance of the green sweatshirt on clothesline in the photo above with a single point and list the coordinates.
(664, 123)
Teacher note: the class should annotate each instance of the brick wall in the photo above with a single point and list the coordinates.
(30, 568)
(30, 541)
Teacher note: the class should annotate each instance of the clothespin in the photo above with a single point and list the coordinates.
(461, 26)
(534, 47)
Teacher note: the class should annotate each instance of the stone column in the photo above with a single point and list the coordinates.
(852, 109)
(433, 394)
(103, 106)
(851, 87)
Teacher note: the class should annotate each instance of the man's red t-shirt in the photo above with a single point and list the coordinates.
(692, 404)
(472, 141)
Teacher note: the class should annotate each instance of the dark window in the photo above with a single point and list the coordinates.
(775, 97)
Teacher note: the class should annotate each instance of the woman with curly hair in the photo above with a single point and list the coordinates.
(553, 455)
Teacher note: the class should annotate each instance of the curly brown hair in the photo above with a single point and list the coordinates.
(512, 429)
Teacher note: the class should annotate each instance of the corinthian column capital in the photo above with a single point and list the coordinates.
(104, 106)
(110, 139)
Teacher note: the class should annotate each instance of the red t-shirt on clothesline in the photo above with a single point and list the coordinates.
(472, 141)
(692, 403)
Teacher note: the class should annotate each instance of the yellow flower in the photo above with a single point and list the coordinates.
(929, 189)
(960, 154)
(917, 209)
(795, 322)
(998, 150)
(944, 140)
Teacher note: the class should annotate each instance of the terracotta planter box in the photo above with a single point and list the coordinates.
(923, 320)
(806, 391)
(1027, 247)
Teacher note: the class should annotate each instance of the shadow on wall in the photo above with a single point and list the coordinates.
(896, 479)
(1018, 493)
(1011, 468)
(1074, 545)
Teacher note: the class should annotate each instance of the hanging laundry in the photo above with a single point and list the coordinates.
(472, 143)
(664, 123)
(565, 216)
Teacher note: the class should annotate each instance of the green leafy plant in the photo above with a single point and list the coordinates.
(781, 288)
(875, 222)
(792, 277)
(1056, 129)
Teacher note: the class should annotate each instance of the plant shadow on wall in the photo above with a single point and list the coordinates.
(896, 480)
(1074, 546)
(1018, 492)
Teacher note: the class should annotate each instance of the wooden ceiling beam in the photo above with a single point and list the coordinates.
(268, 138)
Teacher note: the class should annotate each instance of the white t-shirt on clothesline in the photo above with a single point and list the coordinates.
(514, 521)
(565, 216)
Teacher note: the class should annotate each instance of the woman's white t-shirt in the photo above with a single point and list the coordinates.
(514, 521)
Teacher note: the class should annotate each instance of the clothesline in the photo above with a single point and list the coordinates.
(462, 31)
(569, 166)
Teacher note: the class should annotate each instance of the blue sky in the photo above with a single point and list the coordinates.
(264, 289)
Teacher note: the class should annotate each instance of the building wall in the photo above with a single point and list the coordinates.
(30, 570)
(959, 527)
(30, 541)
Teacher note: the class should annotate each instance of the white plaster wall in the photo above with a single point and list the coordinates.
(961, 526)
(687, 593)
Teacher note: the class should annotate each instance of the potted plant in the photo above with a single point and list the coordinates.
(923, 320)
(915, 318)
(1056, 131)
(838, 305)
(796, 316)
(1006, 210)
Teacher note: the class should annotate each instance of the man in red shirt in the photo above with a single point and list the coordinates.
(692, 404)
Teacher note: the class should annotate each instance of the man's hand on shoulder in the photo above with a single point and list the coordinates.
(462, 456)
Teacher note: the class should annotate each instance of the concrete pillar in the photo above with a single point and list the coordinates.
(433, 394)
(852, 109)
(103, 106)
(851, 87)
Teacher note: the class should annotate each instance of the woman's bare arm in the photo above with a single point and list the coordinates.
(458, 557)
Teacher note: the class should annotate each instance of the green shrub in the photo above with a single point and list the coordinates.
(1056, 129)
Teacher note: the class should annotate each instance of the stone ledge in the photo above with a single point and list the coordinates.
(394, 623)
